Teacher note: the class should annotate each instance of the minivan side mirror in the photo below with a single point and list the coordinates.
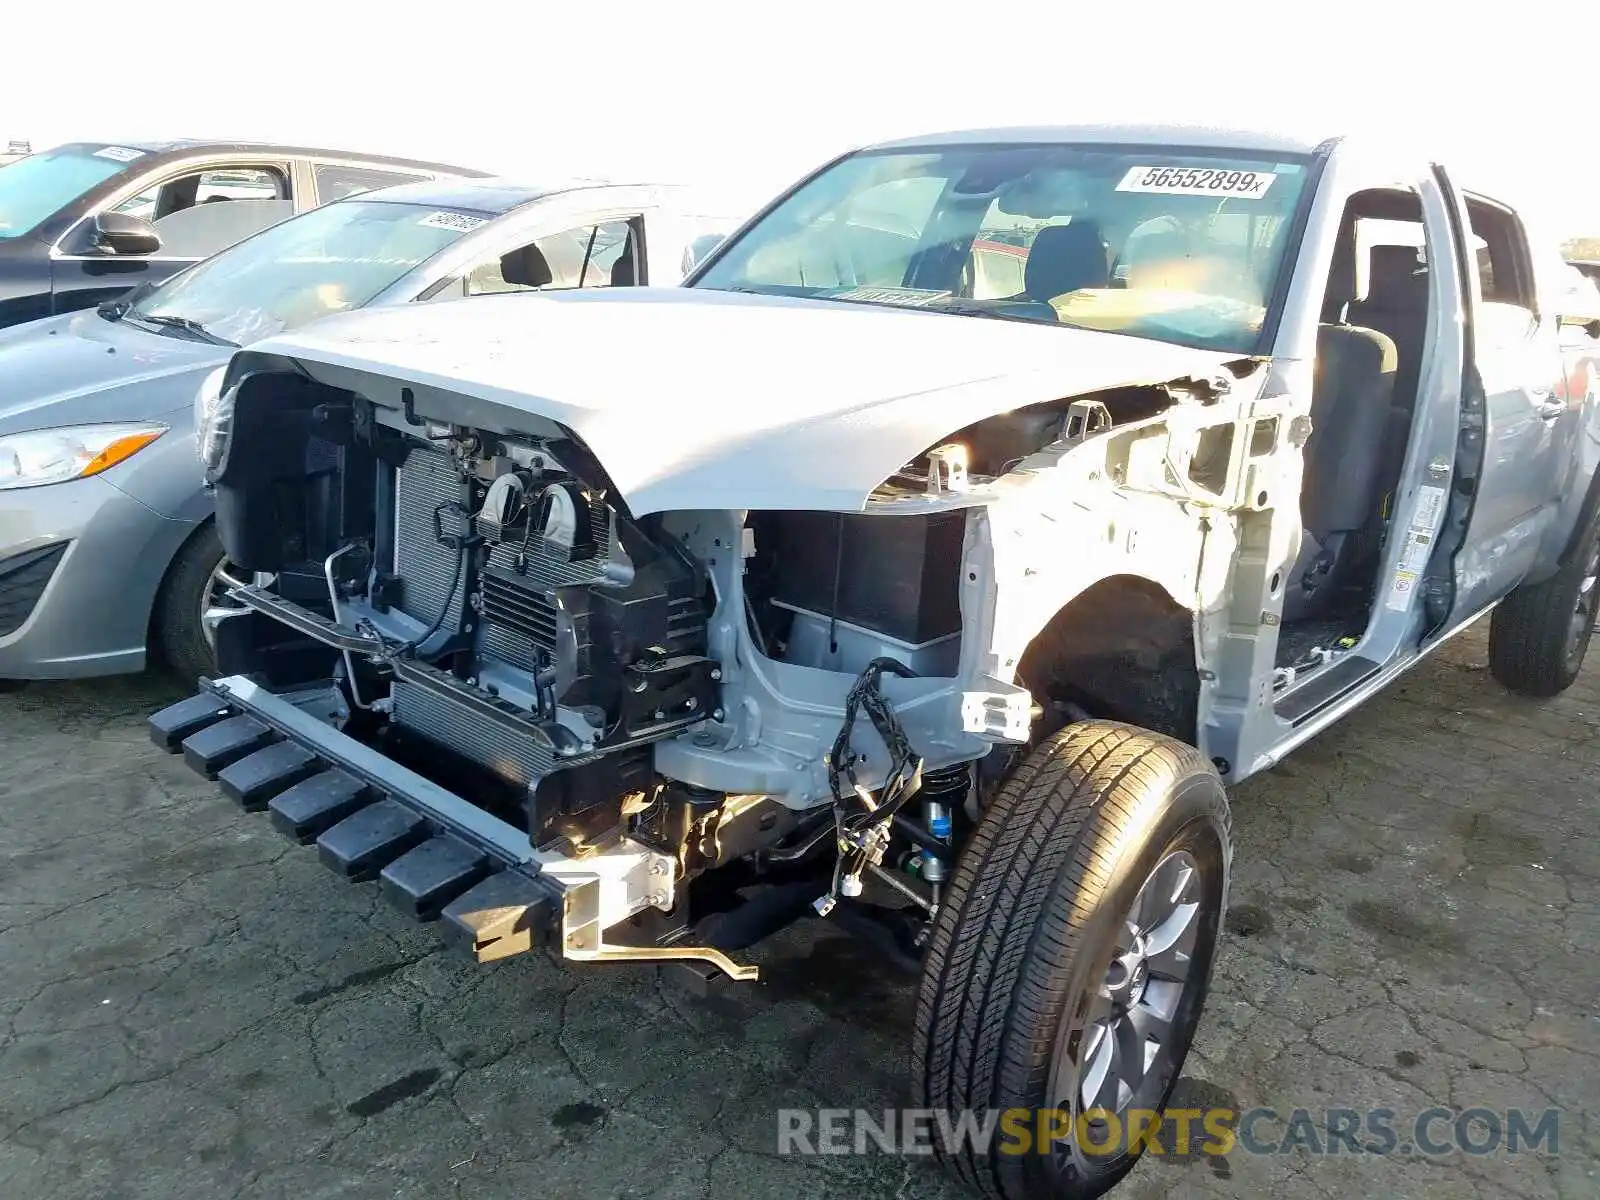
(124, 233)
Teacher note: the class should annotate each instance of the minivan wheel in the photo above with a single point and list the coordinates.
(1069, 965)
(1539, 634)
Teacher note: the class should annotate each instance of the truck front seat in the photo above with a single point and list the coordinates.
(1396, 304)
(1063, 259)
(1350, 397)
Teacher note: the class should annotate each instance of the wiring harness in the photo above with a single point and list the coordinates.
(862, 820)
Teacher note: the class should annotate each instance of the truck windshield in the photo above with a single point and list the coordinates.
(333, 258)
(36, 187)
(1177, 245)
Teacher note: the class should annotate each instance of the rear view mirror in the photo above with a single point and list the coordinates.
(123, 233)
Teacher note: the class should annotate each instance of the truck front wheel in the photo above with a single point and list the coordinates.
(1069, 965)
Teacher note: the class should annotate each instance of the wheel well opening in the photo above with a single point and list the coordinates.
(1122, 650)
(159, 596)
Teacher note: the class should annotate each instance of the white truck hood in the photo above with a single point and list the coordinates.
(697, 399)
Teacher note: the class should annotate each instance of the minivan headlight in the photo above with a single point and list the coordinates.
(43, 456)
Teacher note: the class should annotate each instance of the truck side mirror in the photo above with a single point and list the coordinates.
(124, 233)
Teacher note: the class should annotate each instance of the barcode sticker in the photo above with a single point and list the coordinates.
(1198, 181)
(459, 222)
(122, 154)
(1418, 548)
(892, 295)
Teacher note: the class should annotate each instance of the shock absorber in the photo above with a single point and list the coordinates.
(943, 791)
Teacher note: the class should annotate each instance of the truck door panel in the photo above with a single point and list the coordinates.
(1577, 431)
(1518, 366)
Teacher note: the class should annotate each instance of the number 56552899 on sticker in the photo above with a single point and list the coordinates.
(1198, 181)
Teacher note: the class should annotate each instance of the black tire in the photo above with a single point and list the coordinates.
(177, 636)
(1539, 634)
(1025, 938)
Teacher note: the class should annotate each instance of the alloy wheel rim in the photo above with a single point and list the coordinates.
(215, 606)
(1583, 610)
(1128, 1050)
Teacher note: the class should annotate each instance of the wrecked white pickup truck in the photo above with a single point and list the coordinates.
(939, 551)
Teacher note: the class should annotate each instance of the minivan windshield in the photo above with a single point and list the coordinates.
(1179, 245)
(330, 259)
(35, 188)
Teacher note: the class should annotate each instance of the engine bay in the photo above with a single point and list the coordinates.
(483, 606)
(751, 693)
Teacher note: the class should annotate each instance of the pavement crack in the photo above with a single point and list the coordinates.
(561, 1044)
(711, 1166)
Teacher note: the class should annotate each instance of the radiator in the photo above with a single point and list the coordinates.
(512, 756)
(426, 569)
(427, 480)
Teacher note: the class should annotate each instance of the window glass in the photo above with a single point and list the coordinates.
(241, 183)
(36, 187)
(333, 258)
(171, 196)
(202, 212)
(999, 255)
(700, 246)
(1505, 274)
(1504, 269)
(335, 181)
(202, 229)
(865, 239)
(1372, 232)
(1174, 245)
(587, 256)
(142, 205)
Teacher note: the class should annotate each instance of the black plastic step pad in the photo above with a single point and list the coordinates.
(304, 811)
(177, 721)
(257, 778)
(365, 842)
(424, 879)
(215, 746)
(506, 914)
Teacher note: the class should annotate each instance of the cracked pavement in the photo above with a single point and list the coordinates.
(191, 1007)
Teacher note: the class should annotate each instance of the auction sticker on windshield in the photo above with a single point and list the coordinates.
(915, 297)
(1198, 181)
(460, 222)
(123, 154)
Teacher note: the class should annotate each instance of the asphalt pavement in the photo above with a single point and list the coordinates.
(190, 1007)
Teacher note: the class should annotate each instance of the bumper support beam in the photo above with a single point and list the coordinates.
(434, 855)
